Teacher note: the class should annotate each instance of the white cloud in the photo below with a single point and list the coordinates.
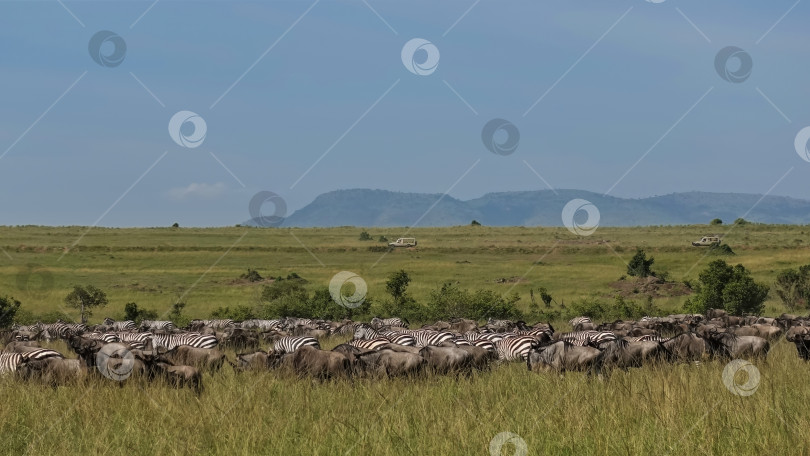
(197, 190)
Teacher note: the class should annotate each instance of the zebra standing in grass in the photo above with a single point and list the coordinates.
(104, 337)
(61, 330)
(126, 325)
(492, 337)
(157, 325)
(134, 339)
(365, 331)
(35, 353)
(369, 344)
(583, 338)
(647, 338)
(378, 323)
(581, 323)
(425, 337)
(515, 348)
(9, 362)
(290, 344)
(170, 341)
(262, 325)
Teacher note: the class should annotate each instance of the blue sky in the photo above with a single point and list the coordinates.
(621, 79)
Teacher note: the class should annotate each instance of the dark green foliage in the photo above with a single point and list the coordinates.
(475, 223)
(132, 312)
(238, 313)
(85, 299)
(732, 288)
(252, 275)
(716, 221)
(8, 310)
(364, 236)
(741, 221)
(640, 265)
(720, 249)
(175, 225)
(176, 315)
(382, 239)
(621, 309)
(793, 287)
(451, 301)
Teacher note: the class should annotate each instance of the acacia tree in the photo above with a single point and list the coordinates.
(85, 299)
(793, 286)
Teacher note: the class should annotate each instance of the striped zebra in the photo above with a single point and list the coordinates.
(104, 337)
(425, 337)
(9, 362)
(348, 328)
(578, 322)
(647, 338)
(262, 325)
(126, 325)
(35, 353)
(365, 331)
(290, 344)
(492, 337)
(61, 330)
(134, 339)
(213, 324)
(369, 344)
(542, 335)
(484, 343)
(515, 348)
(157, 325)
(377, 322)
(170, 341)
(583, 338)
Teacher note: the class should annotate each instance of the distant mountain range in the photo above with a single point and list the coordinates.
(381, 208)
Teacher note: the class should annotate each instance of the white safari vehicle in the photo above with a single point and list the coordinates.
(706, 241)
(403, 242)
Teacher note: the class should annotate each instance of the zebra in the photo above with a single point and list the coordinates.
(348, 328)
(647, 338)
(157, 325)
(9, 362)
(104, 337)
(514, 348)
(365, 331)
(36, 353)
(290, 344)
(377, 322)
(492, 337)
(214, 324)
(542, 335)
(578, 323)
(126, 325)
(484, 343)
(425, 337)
(170, 341)
(262, 325)
(61, 330)
(369, 344)
(134, 339)
(583, 338)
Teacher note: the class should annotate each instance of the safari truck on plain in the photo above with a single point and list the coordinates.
(403, 242)
(706, 241)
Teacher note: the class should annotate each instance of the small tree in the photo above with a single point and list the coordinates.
(725, 287)
(475, 223)
(85, 299)
(364, 236)
(251, 275)
(793, 287)
(382, 239)
(175, 225)
(132, 312)
(716, 221)
(544, 296)
(8, 310)
(741, 221)
(640, 265)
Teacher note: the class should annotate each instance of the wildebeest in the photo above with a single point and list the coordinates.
(54, 371)
(390, 363)
(729, 345)
(206, 359)
(687, 347)
(317, 363)
(252, 361)
(624, 355)
(562, 356)
(177, 376)
(447, 359)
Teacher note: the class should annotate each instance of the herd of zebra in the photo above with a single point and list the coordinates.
(383, 347)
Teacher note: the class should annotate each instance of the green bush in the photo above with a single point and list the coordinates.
(716, 221)
(364, 236)
(640, 265)
(793, 287)
(8, 310)
(238, 313)
(720, 249)
(252, 275)
(732, 288)
(132, 312)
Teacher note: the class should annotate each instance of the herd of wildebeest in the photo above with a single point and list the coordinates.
(159, 351)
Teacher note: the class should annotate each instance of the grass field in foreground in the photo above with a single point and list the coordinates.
(154, 267)
(668, 409)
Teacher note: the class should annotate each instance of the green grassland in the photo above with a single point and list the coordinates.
(156, 267)
(667, 409)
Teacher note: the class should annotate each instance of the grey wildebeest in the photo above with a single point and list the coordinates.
(447, 359)
(206, 359)
(390, 363)
(729, 345)
(562, 356)
(687, 347)
(54, 371)
(314, 362)
(624, 355)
